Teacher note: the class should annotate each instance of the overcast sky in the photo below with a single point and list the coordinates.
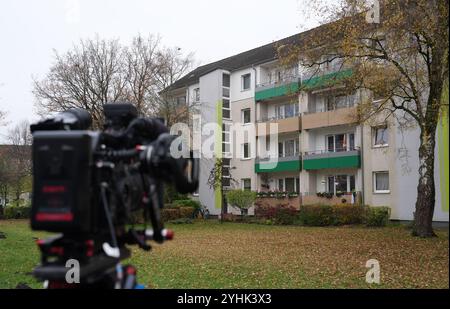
(212, 29)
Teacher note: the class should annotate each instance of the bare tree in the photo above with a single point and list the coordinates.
(173, 66)
(99, 71)
(403, 57)
(88, 76)
(143, 65)
(17, 157)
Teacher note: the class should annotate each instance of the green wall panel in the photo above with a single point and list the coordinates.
(276, 91)
(326, 80)
(281, 167)
(336, 162)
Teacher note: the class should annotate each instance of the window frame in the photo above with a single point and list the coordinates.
(243, 77)
(243, 157)
(375, 133)
(243, 187)
(374, 180)
(243, 111)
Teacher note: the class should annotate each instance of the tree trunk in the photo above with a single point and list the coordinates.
(423, 216)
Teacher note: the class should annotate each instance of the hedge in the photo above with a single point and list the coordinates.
(16, 212)
(323, 215)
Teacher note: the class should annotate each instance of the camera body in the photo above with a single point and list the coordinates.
(87, 185)
(64, 193)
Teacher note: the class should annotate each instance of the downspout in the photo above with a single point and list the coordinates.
(256, 125)
(363, 202)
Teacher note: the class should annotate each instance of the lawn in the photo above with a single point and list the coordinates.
(233, 255)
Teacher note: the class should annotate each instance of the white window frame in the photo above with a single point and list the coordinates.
(243, 152)
(197, 94)
(374, 179)
(283, 180)
(243, 76)
(374, 136)
(226, 132)
(226, 108)
(243, 183)
(243, 115)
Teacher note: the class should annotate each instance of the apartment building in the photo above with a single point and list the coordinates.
(292, 135)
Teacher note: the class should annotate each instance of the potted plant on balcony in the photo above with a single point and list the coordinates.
(292, 194)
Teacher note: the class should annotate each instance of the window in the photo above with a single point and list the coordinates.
(340, 183)
(181, 101)
(381, 182)
(245, 115)
(246, 151)
(281, 184)
(246, 82)
(290, 148)
(380, 136)
(340, 142)
(197, 95)
(226, 179)
(290, 184)
(226, 142)
(280, 150)
(226, 80)
(226, 92)
(246, 184)
(226, 110)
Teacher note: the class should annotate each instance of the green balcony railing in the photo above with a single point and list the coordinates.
(325, 160)
(325, 80)
(274, 90)
(286, 164)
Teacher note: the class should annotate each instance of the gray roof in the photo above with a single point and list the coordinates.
(248, 58)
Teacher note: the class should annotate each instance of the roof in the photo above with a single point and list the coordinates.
(248, 58)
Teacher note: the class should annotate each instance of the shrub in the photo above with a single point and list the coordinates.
(186, 203)
(377, 216)
(285, 215)
(242, 199)
(229, 217)
(186, 212)
(17, 212)
(182, 221)
(282, 214)
(316, 215)
(170, 214)
(348, 214)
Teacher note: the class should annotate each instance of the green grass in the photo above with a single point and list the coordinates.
(233, 255)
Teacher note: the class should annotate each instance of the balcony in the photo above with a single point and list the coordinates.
(317, 160)
(341, 116)
(272, 90)
(315, 80)
(285, 125)
(281, 164)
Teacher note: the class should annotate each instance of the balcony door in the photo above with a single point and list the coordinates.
(340, 142)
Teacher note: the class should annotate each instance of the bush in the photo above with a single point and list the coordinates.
(282, 214)
(228, 217)
(17, 212)
(186, 212)
(170, 214)
(285, 215)
(377, 216)
(242, 199)
(182, 221)
(348, 214)
(186, 203)
(316, 215)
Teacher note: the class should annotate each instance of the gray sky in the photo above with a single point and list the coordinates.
(212, 29)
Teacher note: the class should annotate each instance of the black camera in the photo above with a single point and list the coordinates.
(87, 185)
